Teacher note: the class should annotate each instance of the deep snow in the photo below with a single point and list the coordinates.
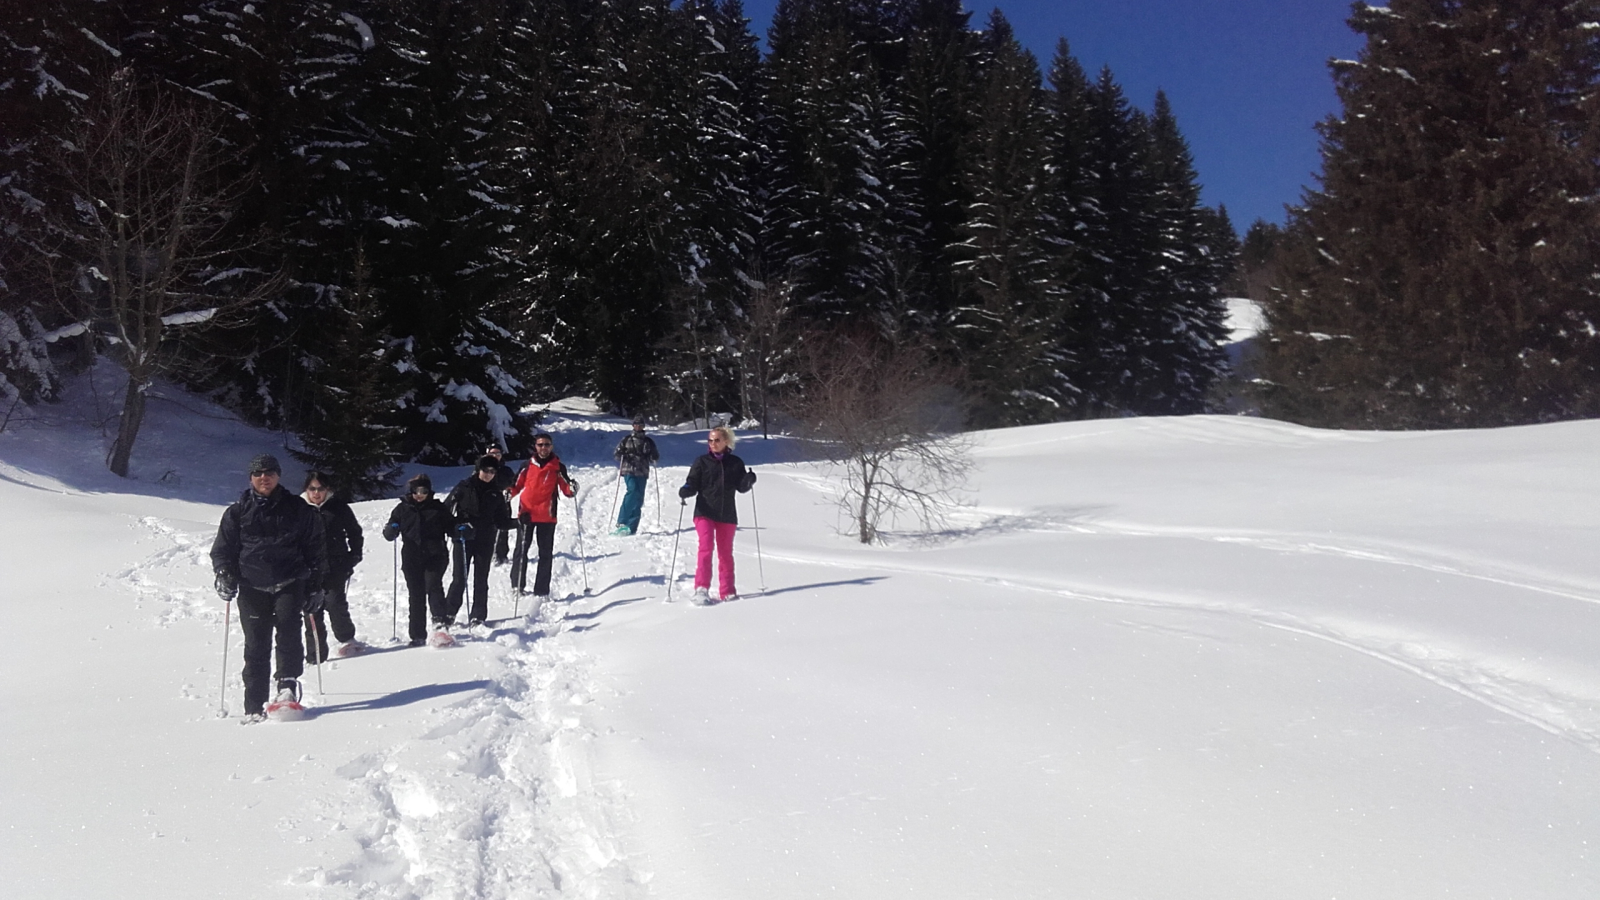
(1202, 657)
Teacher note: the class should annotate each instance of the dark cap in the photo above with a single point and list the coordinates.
(488, 463)
(266, 462)
(638, 420)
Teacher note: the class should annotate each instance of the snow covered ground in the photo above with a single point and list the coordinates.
(1200, 658)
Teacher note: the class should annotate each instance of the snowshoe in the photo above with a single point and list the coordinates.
(440, 639)
(253, 718)
(702, 597)
(622, 531)
(286, 707)
(350, 648)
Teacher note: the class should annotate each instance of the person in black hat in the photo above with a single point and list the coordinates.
(270, 553)
(634, 455)
(422, 519)
(504, 478)
(478, 508)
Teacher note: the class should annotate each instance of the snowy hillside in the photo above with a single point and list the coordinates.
(1158, 658)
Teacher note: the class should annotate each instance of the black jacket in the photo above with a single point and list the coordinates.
(424, 524)
(712, 482)
(267, 542)
(343, 533)
(482, 503)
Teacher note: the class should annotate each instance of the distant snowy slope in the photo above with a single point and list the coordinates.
(1203, 657)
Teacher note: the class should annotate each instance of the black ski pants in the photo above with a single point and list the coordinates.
(425, 591)
(528, 533)
(337, 608)
(261, 613)
(474, 554)
(502, 545)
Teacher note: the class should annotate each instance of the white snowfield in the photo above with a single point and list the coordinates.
(1160, 658)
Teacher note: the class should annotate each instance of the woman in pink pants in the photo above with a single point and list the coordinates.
(712, 481)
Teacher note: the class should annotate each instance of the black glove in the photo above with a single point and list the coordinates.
(574, 483)
(391, 531)
(227, 586)
(466, 532)
(749, 478)
(311, 604)
(686, 492)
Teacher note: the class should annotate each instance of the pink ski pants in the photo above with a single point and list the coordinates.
(720, 533)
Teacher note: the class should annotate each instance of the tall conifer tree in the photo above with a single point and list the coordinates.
(1445, 273)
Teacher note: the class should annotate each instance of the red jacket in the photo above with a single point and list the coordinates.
(536, 489)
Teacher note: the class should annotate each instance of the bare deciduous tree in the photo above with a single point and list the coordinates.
(887, 415)
(148, 250)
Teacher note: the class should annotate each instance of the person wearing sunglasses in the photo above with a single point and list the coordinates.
(344, 540)
(713, 479)
(424, 523)
(270, 553)
(504, 478)
(478, 507)
(536, 497)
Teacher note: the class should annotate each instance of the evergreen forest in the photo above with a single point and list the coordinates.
(1446, 271)
(393, 227)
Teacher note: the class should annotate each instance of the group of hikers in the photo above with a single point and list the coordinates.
(288, 559)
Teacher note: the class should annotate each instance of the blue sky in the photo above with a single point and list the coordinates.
(1247, 78)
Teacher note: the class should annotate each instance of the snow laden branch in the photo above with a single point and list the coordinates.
(886, 415)
(148, 249)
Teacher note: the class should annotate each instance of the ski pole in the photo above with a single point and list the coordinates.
(395, 618)
(583, 558)
(672, 571)
(657, 476)
(316, 646)
(227, 627)
(615, 492)
(755, 521)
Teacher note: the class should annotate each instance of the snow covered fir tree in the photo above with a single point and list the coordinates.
(1446, 273)
(622, 200)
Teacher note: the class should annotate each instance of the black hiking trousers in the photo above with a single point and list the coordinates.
(424, 593)
(473, 554)
(543, 536)
(337, 607)
(261, 613)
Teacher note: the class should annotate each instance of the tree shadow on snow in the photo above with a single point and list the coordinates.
(403, 698)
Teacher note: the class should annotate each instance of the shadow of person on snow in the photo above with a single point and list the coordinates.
(637, 579)
(596, 613)
(402, 698)
(858, 582)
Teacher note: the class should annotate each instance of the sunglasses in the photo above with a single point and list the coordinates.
(421, 492)
(318, 488)
(544, 444)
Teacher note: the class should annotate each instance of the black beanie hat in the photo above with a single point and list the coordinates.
(489, 463)
(265, 462)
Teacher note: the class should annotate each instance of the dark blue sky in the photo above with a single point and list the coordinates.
(1247, 78)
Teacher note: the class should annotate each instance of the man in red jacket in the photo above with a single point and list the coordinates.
(535, 490)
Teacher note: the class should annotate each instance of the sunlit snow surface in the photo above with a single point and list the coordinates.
(1156, 658)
